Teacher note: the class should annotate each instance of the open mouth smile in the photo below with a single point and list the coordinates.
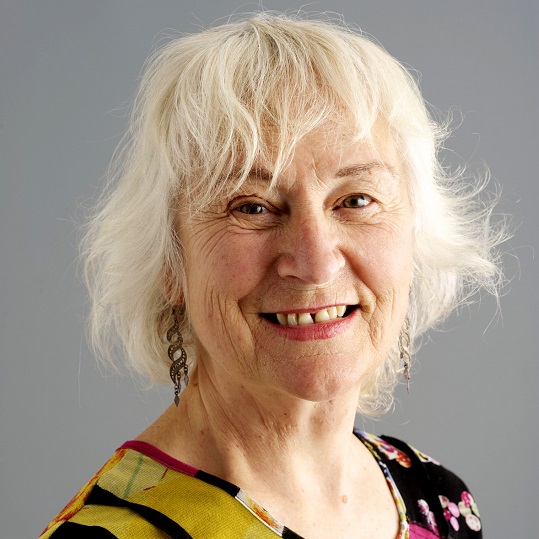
(305, 318)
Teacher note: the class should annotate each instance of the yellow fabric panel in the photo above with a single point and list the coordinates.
(135, 473)
(120, 521)
(78, 500)
(203, 510)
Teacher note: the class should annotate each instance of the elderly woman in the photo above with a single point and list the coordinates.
(280, 220)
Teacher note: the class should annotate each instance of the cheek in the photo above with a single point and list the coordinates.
(387, 273)
(386, 259)
(222, 268)
(239, 264)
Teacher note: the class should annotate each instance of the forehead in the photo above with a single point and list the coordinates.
(325, 155)
(329, 151)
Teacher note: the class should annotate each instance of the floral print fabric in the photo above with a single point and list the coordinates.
(437, 503)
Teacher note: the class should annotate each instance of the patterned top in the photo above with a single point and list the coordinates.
(144, 493)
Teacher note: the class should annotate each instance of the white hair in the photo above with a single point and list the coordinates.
(199, 122)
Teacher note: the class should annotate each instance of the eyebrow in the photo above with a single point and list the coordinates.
(355, 170)
(260, 173)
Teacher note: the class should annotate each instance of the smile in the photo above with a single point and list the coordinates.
(305, 319)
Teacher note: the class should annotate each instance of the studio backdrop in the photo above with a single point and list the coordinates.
(68, 73)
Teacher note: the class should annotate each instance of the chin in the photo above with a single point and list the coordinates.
(322, 385)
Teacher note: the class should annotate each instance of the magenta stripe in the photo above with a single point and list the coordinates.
(160, 456)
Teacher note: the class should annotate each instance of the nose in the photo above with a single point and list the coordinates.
(310, 251)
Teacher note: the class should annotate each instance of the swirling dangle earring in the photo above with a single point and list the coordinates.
(404, 350)
(177, 354)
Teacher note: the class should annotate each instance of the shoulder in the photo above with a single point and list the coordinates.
(75, 505)
(435, 498)
(98, 510)
(142, 492)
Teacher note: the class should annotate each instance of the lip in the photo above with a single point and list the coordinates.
(313, 332)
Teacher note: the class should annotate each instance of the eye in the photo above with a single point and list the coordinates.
(356, 201)
(252, 208)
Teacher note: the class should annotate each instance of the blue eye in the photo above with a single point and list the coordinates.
(356, 201)
(252, 208)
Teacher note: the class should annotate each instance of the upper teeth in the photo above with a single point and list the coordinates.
(303, 319)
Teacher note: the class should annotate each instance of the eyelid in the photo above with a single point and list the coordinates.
(240, 200)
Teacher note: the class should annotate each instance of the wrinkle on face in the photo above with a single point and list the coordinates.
(232, 266)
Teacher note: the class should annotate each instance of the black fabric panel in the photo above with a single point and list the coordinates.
(99, 496)
(70, 530)
(433, 480)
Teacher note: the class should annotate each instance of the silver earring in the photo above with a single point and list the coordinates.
(404, 350)
(177, 354)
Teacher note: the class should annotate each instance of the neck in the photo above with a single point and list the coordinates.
(247, 436)
(298, 459)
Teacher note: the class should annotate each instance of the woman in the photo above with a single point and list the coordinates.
(281, 218)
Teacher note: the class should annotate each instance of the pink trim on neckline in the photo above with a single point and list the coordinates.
(160, 456)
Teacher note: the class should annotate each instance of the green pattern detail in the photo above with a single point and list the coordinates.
(133, 475)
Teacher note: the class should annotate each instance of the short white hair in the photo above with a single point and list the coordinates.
(200, 121)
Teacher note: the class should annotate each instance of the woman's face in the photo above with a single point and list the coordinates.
(302, 288)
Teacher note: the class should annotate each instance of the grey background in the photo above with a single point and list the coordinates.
(67, 71)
